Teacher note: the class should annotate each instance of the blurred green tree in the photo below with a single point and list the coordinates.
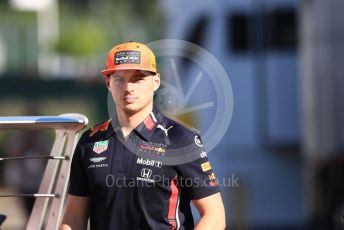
(81, 39)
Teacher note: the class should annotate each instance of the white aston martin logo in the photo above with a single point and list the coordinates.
(97, 159)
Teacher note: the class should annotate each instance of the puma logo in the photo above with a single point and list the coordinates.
(164, 129)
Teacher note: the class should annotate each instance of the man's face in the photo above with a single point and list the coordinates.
(132, 90)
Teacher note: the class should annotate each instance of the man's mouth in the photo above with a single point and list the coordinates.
(129, 99)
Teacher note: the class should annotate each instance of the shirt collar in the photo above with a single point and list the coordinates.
(145, 129)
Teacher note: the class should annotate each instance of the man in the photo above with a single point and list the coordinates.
(123, 175)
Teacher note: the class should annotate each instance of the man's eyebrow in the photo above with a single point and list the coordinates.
(146, 73)
(139, 75)
(117, 75)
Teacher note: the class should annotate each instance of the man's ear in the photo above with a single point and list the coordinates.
(156, 81)
(107, 81)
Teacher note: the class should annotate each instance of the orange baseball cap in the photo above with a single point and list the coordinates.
(128, 56)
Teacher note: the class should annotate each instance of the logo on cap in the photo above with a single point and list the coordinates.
(127, 57)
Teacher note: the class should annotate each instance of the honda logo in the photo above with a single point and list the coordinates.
(147, 173)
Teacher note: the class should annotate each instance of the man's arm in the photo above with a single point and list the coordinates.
(76, 214)
(212, 212)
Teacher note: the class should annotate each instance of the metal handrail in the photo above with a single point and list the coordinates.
(54, 182)
(69, 121)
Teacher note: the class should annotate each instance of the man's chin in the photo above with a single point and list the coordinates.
(130, 108)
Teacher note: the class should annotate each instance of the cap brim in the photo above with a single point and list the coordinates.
(107, 72)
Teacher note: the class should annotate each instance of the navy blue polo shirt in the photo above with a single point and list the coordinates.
(146, 181)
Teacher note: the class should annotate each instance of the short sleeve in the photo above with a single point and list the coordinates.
(78, 176)
(197, 177)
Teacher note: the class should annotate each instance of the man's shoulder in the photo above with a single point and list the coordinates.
(97, 132)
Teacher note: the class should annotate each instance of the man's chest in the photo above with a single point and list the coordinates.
(111, 164)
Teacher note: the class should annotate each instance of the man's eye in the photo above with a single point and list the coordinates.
(119, 79)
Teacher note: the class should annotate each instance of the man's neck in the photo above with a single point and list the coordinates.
(128, 121)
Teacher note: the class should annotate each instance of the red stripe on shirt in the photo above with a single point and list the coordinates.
(149, 123)
(173, 203)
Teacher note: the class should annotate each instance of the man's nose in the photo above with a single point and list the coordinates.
(129, 86)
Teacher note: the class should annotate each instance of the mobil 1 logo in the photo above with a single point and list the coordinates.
(148, 162)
